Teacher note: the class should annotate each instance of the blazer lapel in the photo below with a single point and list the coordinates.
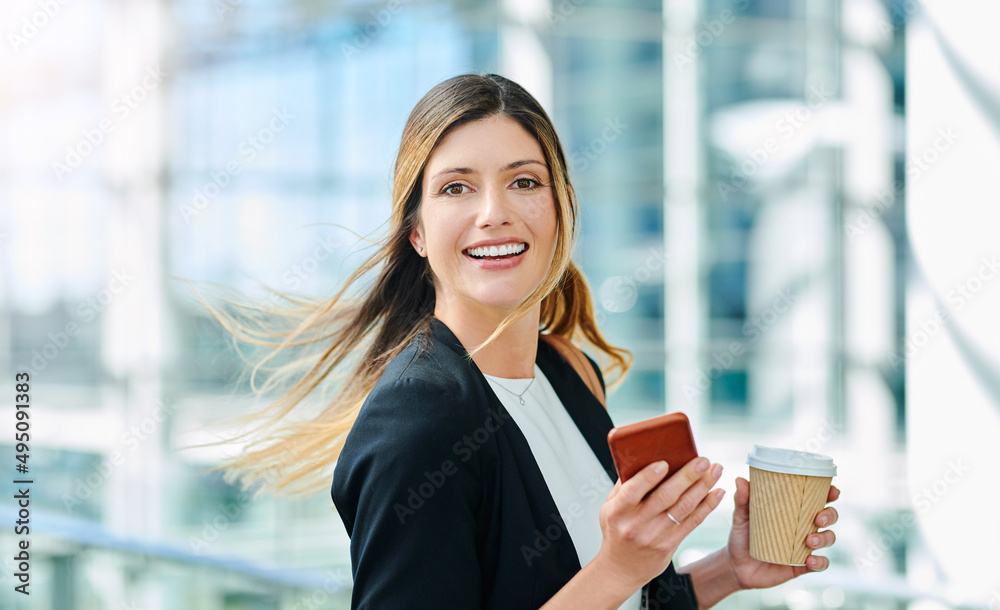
(590, 417)
(583, 407)
(541, 504)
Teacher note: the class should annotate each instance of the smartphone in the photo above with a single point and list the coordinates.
(665, 437)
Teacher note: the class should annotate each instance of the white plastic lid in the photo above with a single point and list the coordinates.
(789, 461)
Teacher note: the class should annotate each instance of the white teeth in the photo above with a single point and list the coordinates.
(493, 251)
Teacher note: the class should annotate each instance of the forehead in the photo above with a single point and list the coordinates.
(487, 143)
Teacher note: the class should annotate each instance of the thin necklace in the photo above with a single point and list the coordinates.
(519, 396)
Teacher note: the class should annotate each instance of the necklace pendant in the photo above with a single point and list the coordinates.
(521, 399)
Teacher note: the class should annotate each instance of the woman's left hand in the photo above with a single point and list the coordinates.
(751, 573)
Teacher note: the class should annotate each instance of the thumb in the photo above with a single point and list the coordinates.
(741, 499)
(614, 490)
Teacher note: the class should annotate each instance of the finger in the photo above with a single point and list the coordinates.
(817, 563)
(742, 495)
(691, 497)
(696, 517)
(672, 490)
(821, 540)
(741, 499)
(827, 516)
(834, 494)
(635, 489)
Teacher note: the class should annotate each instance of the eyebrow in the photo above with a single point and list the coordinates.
(469, 170)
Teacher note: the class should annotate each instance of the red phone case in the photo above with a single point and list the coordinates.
(665, 437)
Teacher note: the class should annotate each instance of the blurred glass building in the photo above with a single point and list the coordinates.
(740, 166)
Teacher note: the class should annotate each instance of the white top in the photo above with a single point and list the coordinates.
(575, 477)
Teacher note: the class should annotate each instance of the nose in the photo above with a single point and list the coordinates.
(494, 209)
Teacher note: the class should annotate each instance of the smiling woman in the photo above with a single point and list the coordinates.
(465, 444)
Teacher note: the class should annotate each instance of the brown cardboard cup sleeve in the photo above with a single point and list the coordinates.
(787, 489)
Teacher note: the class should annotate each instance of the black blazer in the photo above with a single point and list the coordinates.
(442, 498)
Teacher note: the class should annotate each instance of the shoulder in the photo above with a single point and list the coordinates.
(549, 353)
(597, 369)
(429, 379)
(426, 399)
(425, 356)
(417, 418)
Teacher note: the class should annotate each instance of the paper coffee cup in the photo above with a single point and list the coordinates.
(787, 489)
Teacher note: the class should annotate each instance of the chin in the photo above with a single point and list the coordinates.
(504, 307)
(490, 301)
(487, 296)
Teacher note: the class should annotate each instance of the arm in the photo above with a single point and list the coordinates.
(594, 587)
(407, 491)
(712, 578)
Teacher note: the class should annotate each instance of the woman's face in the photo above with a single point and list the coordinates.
(487, 220)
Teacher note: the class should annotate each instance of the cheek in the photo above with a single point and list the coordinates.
(442, 229)
(548, 221)
(540, 215)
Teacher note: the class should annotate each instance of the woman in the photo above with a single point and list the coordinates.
(471, 457)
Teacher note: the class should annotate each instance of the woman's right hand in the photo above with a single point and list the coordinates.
(639, 538)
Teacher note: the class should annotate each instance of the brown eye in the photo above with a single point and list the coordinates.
(451, 189)
(525, 183)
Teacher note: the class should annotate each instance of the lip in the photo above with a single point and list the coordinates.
(497, 265)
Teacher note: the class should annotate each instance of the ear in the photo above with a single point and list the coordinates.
(417, 239)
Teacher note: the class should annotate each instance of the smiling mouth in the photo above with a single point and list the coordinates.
(495, 253)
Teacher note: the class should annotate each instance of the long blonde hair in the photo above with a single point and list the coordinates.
(362, 334)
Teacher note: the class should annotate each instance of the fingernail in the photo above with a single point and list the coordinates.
(813, 540)
(701, 465)
(717, 471)
(660, 467)
(823, 520)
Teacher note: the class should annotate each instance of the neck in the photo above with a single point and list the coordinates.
(511, 354)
